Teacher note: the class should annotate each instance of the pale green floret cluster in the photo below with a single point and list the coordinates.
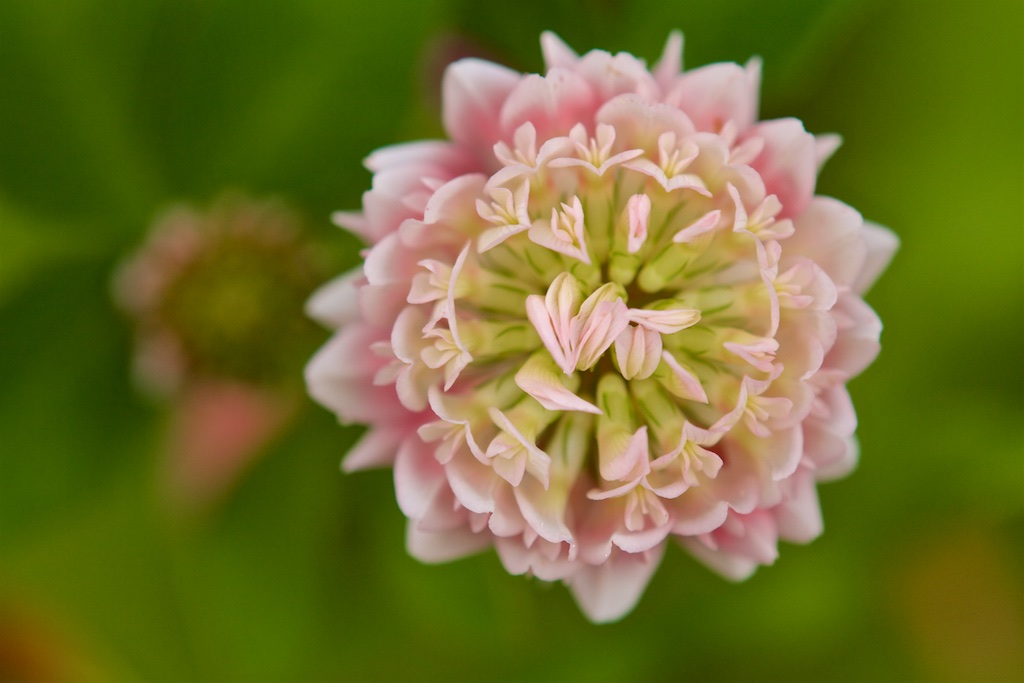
(605, 293)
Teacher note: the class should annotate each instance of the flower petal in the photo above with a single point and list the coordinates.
(553, 103)
(336, 303)
(608, 592)
(882, 244)
(539, 379)
(671, 62)
(788, 164)
(473, 92)
(432, 547)
(418, 478)
(557, 54)
(714, 94)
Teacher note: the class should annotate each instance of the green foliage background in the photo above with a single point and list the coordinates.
(112, 109)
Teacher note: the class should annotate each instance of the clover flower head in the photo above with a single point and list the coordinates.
(609, 312)
(215, 298)
(208, 289)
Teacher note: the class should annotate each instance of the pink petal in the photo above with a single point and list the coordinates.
(759, 353)
(882, 244)
(599, 330)
(340, 375)
(740, 216)
(831, 234)
(400, 193)
(841, 462)
(492, 237)
(440, 154)
(506, 520)
(825, 146)
(553, 103)
(518, 559)
(544, 510)
(474, 485)
(388, 262)
(638, 352)
(701, 226)
(612, 75)
(743, 543)
(445, 514)
(665, 321)
(418, 478)
(646, 538)
(731, 566)
(335, 303)
(799, 516)
(511, 470)
(356, 222)
(638, 210)
(788, 164)
(608, 592)
(717, 93)
(639, 124)
(689, 386)
(556, 53)
(407, 334)
(380, 304)
(474, 92)
(377, 448)
(671, 63)
(618, 491)
(829, 452)
(624, 458)
(454, 202)
(554, 339)
(856, 344)
(551, 234)
(782, 452)
(433, 547)
(544, 385)
(532, 453)
(697, 512)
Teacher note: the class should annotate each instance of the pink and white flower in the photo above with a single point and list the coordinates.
(215, 298)
(609, 312)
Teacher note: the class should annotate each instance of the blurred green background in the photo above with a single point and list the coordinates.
(112, 109)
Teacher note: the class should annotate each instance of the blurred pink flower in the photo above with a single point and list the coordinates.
(216, 300)
(609, 312)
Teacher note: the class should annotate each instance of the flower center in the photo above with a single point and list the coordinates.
(608, 291)
(236, 308)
